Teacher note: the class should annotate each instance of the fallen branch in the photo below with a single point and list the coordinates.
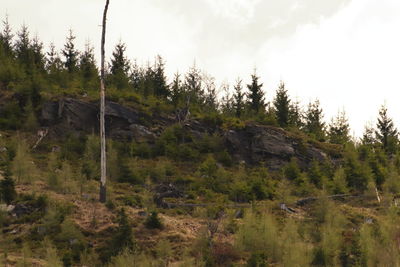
(41, 134)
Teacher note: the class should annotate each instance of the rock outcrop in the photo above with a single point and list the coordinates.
(271, 145)
(122, 122)
(253, 144)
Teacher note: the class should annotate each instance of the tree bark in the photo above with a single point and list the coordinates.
(103, 179)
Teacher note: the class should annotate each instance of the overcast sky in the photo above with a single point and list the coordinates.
(344, 52)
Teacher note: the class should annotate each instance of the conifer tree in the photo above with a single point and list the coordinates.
(339, 129)
(54, 65)
(6, 38)
(123, 237)
(160, 80)
(282, 106)
(53, 60)
(296, 115)
(88, 68)
(70, 53)
(120, 66)
(314, 123)
(386, 133)
(238, 98)
(193, 85)
(210, 97)
(256, 95)
(227, 101)
(368, 137)
(119, 61)
(7, 188)
(136, 76)
(39, 58)
(23, 45)
(176, 90)
(147, 82)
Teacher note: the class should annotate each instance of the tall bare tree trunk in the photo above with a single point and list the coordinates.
(103, 192)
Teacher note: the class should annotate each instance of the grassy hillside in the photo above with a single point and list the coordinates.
(194, 179)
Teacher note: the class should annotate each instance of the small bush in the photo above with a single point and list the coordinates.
(153, 221)
(7, 188)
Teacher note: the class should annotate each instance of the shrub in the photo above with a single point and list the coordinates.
(223, 253)
(22, 166)
(7, 188)
(153, 221)
(122, 239)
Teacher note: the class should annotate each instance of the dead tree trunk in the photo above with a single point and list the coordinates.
(103, 195)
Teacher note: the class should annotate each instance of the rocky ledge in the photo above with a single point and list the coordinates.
(252, 144)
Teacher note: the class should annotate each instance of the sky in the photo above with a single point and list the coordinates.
(346, 53)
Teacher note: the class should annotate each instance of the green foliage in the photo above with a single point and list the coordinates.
(316, 175)
(292, 170)
(153, 221)
(7, 188)
(119, 68)
(338, 184)
(11, 114)
(282, 106)
(52, 257)
(259, 233)
(70, 53)
(121, 240)
(314, 124)
(238, 99)
(91, 167)
(386, 133)
(255, 96)
(358, 174)
(74, 146)
(339, 129)
(22, 166)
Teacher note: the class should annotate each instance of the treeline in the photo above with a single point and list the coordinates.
(31, 74)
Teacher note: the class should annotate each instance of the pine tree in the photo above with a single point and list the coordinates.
(193, 85)
(54, 65)
(256, 95)
(88, 68)
(339, 129)
(176, 90)
(136, 75)
(23, 45)
(160, 80)
(386, 133)
(210, 97)
(147, 82)
(70, 53)
(227, 101)
(53, 60)
(238, 98)
(120, 67)
(282, 106)
(6, 38)
(314, 123)
(296, 115)
(368, 137)
(123, 238)
(39, 58)
(119, 61)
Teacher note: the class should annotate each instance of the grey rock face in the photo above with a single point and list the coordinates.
(271, 145)
(69, 114)
(253, 144)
